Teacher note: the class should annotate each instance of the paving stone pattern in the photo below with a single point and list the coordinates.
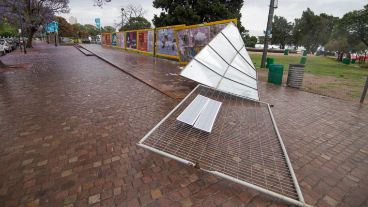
(69, 126)
(159, 73)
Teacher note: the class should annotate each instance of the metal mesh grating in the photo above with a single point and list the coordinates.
(243, 143)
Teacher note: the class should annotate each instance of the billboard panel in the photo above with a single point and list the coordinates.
(166, 42)
(191, 41)
(142, 40)
(120, 39)
(113, 39)
(150, 40)
(131, 40)
(106, 38)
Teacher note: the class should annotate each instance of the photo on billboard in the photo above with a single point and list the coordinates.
(191, 41)
(108, 39)
(142, 40)
(113, 39)
(150, 40)
(131, 40)
(215, 29)
(120, 39)
(166, 42)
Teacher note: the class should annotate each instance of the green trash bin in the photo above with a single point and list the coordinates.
(286, 52)
(346, 61)
(275, 73)
(303, 60)
(269, 61)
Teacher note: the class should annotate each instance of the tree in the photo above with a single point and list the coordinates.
(281, 31)
(79, 31)
(312, 31)
(128, 12)
(65, 29)
(250, 41)
(196, 12)
(33, 13)
(356, 24)
(92, 30)
(6, 30)
(108, 29)
(136, 23)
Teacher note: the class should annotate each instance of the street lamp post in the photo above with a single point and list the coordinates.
(267, 33)
(21, 34)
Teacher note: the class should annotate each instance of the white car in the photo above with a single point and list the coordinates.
(6, 45)
(2, 50)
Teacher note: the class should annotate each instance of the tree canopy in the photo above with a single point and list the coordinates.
(312, 31)
(136, 23)
(32, 14)
(356, 24)
(6, 30)
(281, 31)
(176, 12)
(108, 29)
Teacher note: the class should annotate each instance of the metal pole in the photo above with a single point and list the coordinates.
(55, 39)
(21, 33)
(267, 33)
(364, 93)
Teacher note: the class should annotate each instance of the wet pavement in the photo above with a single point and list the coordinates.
(69, 125)
(159, 73)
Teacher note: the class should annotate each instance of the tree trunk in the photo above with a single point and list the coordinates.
(30, 38)
(2, 65)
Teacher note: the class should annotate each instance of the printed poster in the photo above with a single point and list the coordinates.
(120, 39)
(113, 41)
(166, 42)
(131, 40)
(108, 39)
(142, 40)
(191, 41)
(215, 29)
(150, 40)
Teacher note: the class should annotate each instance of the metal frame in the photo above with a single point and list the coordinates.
(292, 201)
(194, 59)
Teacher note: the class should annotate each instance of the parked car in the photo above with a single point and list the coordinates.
(6, 45)
(12, 44)
(2, 50)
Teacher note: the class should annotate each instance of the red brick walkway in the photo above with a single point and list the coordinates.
(159, 73)
(69, 125)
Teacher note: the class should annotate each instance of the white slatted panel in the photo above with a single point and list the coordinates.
(225, 64)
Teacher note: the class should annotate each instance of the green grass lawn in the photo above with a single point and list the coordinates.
(319, 65)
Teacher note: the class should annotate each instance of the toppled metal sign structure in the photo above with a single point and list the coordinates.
(222, 128)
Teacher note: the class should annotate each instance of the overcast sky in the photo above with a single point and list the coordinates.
(254, 12)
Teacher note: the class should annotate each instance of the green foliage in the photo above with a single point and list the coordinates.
(356, 24)
(281, 31)
(312, 30)
(6, 30)
(136, 23)
(108, 29)
(250, 41)
(65, 29)
(79, 31)
(176, 12)
(339, 43)
(91, 30)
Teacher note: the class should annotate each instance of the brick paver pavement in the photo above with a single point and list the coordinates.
(69, 125)
(159, 73)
